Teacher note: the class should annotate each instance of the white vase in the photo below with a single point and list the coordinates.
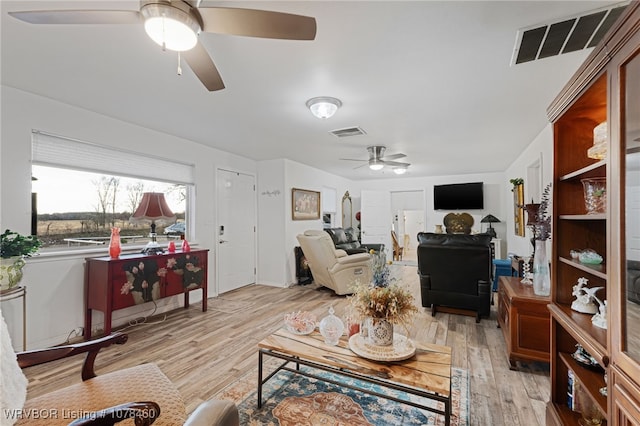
(380, 332)
(541, 273)
(10, 272)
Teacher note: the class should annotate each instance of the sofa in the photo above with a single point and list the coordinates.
(455, 272)
(633, 280)
(347, 239)
(331, 267)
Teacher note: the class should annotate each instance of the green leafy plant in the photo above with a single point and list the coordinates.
(516, 181)
(14, 244)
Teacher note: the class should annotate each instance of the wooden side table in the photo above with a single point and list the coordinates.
(525, 321)
(14, 293)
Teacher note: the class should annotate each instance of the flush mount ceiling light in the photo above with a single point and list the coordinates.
(323, 106)
(170, 27)
(400, 170)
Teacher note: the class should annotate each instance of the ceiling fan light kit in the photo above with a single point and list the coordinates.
(170, 27)
(323, 106)
(377, 160)
(375, 165)
(176, 24)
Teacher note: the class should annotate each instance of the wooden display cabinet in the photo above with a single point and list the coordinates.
(597, 93)
(132, 279)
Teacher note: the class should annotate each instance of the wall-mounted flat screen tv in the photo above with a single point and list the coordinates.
(458, 196)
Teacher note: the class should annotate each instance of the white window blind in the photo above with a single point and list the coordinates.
(328, 200)
(52, 150)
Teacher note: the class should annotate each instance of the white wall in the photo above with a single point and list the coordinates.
(272, 222)
(494, 198)
(540, 149)
(298, 175)
(55, 284)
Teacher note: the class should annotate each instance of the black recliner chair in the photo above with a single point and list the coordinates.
(347, 240)
(455, 272)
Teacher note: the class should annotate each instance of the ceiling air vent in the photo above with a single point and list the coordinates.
(351, 131)
(566, 35)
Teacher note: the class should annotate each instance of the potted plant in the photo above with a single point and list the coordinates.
(14, 248)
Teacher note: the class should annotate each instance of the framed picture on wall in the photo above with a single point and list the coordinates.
(518, 209)
(305, 204)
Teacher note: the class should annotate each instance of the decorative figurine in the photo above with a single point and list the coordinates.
(600, 319)
(527, 275)
(585, 297)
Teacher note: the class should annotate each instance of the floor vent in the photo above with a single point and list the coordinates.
(567, 35)
(350, 131)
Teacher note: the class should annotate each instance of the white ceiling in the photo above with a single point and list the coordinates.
(430, 79)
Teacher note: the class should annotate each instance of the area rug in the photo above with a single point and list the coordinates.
(294, 400)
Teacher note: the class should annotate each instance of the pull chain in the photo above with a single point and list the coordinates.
(179, 67)
(164, 35)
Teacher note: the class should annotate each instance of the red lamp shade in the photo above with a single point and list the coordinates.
(153, 208)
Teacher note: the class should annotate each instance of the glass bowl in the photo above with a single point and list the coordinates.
(300, 322)
(590, 257)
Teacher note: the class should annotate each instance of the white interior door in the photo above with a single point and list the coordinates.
(236, 232)
(376, 219)
(414, 223)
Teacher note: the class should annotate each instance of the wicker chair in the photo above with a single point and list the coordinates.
(112, 397)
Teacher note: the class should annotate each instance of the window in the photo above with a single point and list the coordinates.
(80, 191)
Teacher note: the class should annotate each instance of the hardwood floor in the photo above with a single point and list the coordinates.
(204, 352)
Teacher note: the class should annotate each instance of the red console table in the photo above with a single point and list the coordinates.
(132, 279)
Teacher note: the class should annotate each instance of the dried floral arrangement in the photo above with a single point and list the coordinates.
(379, 268)
(385, 297)
(542, 225)
(395, 303)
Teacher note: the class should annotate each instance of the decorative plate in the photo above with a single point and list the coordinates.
(458, 223)
(402, 348)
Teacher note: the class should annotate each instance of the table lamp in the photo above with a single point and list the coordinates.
(153, 208)
(490, 219)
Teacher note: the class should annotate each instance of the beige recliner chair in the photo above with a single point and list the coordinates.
(333, 268)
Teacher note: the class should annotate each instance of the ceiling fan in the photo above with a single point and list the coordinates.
(377, 160)
(175, 25)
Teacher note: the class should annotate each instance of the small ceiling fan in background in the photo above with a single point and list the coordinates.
(176, 24)
(377, 160)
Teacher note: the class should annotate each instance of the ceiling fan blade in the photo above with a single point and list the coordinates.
(79, 16)
(392, 157)
(395, 163)
(258, 23)
(351, 159)
(202, 65)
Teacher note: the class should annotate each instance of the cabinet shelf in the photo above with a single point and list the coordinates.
(592, 170)
(591, 381)
(565, 415)
(599, 271)
(596, 216)
(593, 339)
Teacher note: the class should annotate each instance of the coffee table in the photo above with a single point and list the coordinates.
(426, 374)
